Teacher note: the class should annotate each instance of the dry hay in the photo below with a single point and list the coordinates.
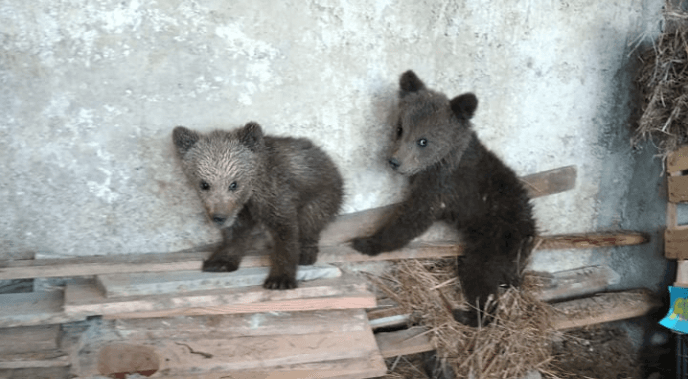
(518, 342)
(663, 82)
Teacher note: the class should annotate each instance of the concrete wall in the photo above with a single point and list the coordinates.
(92, 89)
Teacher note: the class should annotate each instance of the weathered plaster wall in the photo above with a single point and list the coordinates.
(92, 89)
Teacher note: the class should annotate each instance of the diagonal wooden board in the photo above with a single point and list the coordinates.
(331, 344)
(346, 292)
(601, 308)
(137, 284)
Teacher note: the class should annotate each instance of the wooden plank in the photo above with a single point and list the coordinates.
(676, 243)
(30, 339)
(340, 293)
(677, 188)
(134, 284)
(37, 373)
(33, 308)
(357, 368)
(87, 266)
(404, 342)
(340, 347)
(598, 309)
(550, 182)
(592, 240)
(578, 282)
(604, 307)
(677, 160)
(34, 361)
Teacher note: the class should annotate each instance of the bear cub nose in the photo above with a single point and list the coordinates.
(219, 219)
(394, 163)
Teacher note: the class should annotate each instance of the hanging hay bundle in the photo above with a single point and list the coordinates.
(518, 342)
(663, 82)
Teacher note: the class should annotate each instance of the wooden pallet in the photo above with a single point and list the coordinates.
(140, 299)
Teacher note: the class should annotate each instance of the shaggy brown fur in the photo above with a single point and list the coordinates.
(244, 178)
(454, 178)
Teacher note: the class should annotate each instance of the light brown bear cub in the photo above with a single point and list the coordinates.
(244, 177)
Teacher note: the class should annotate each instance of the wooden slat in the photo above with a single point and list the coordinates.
(676, 243)
(347, 292)
(677, 160)
(31, 339)
(139, 284)
(605, 307)
(404, 342)
(98, 265)
(598, 309)
(550, 182)
(312, 344)
(578, 282)
(678, 188)
(33, 308)
(592, 240)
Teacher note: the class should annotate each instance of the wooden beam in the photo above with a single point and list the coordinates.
(677, 188)
(677, 160)
(550, 182)
(346, 292)
(97, 265)
(592, 240)
(404, 342)
(676, 243)
(604, 307)
(578, 282)
(30, 339)
(598, 309)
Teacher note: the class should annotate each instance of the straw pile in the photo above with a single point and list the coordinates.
(518, 342)
(663, 83)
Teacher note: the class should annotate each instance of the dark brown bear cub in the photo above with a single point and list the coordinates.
(454, 178)
(244, 178)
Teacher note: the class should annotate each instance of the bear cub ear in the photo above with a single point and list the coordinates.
(409, 82)
(464, 105)
(251, 135)
(184, 139)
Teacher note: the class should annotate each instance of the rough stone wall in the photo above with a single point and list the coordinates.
(92, 89)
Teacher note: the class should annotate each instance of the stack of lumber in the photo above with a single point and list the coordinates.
(676, 236)
(160, 316)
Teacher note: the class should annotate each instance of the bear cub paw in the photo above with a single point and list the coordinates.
(280, 282)
(470, 317)
(366, 246)
(220, 264)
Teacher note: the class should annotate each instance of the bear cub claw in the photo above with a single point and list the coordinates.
(280, 282)
(366, 246)
(220, 265)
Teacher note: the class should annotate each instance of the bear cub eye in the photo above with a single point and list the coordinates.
(204, 185)
(400, 130)
(422, 142)
(233, 186)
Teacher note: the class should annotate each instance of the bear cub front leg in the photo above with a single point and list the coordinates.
(235, 240)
